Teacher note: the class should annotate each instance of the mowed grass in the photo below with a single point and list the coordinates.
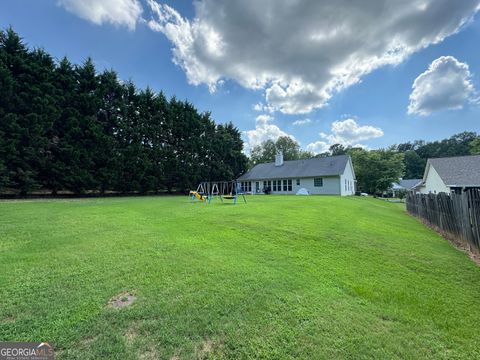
(280, 277)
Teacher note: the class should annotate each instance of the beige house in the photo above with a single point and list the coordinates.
(452, 174)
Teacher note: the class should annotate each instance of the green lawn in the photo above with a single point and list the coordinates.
(280, 277)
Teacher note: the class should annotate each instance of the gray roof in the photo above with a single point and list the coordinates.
(409, 183)
(324, 166)
(459, 170)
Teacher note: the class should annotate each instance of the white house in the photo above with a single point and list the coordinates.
(332, 175)
(451, 174)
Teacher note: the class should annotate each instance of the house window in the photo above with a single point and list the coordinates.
(246, 186)
(264, 184)
(298, 182)
(274, 185)
(269, 183)
(289, 185)
(285, 187)
(318, 182)
(345, 184)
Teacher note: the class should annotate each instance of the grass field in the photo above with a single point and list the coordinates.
(281, 277)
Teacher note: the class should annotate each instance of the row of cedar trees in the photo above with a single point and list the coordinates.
(67, 127)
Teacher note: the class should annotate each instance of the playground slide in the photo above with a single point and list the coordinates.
(197, 195)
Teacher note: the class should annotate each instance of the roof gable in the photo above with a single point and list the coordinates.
(410, 183)
(324, 166)
(456, 171)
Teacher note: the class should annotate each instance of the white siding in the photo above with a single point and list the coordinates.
(433, 183)
(331, 186)
(347, 180)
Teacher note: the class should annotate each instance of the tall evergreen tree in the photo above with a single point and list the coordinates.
(67, 127)
(109, 93)
(26, 119)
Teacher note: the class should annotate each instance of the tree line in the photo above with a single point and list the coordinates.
(70, 127)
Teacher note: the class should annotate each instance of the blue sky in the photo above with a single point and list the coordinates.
(321, 72)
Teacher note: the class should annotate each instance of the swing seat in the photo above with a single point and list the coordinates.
(228, 197)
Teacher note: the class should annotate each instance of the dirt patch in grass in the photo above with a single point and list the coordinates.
(207, 347)
(131, 333)
(150, 354)
(122, 300)
(86, 342)
(9, 319)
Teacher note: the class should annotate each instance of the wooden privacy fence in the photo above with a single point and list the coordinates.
(456, 215)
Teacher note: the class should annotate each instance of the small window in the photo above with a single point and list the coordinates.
(298, 182)
(274, 185)
(285, 187)
(289, 185)
(318, 182)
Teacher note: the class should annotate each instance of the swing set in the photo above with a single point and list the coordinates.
(223, 190)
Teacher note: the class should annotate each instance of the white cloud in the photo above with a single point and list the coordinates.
(263, 131)
(318, 147)
(302, 52)
(302, 122)
(258, 107)
(263, 118)
(447, 84)
(262, 107)
(346, 132)
(116, 12)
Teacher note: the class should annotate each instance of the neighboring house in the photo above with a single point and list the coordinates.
(332, 175)
(405, 185)
(453, 174)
